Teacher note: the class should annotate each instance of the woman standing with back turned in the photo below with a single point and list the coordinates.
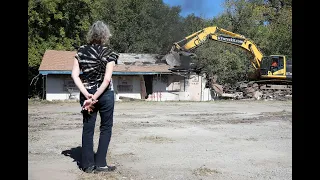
(96, 62)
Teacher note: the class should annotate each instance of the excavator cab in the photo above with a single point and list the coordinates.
(273, 67)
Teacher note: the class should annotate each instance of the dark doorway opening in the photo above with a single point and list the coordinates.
(148, 79)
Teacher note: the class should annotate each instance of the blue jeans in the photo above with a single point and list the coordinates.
(105, 106)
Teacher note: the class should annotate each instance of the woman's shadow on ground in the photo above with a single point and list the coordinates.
(75, 154)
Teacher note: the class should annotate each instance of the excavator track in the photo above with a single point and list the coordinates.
(274, 84)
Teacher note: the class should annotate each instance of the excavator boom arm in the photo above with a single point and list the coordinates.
(196, 39)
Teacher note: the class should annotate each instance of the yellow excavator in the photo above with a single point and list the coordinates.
(274, 69)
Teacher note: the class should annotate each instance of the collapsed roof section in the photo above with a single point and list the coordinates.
(61, 62)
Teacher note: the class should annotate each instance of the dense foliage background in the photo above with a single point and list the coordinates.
(150, 26)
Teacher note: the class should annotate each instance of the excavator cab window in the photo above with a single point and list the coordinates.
(277, 63)
(265, 65)
(271, 63)
(289, 68)
(281, 62)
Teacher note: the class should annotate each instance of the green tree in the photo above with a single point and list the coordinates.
(137, 26)
(279, 18)
(266, 23)
(141, 26)
(56, 24)
(150, 26)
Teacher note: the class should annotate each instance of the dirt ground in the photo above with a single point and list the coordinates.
(218, 140)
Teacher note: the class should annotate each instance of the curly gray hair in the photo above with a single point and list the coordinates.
(99, 33)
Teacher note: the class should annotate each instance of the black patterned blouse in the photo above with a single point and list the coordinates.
(92, 61)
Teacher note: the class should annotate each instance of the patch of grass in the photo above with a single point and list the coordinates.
(234, 138)
(100, 176)
(156, 139)
(41, 101)
(204, 171)
(245, 121)
(33, 138)
(251, 139)
(277, 113)
(137, 116)
(70, 113)
(115, 175)
(126, 154)
(171, 102)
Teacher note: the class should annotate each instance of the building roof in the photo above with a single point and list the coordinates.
(127, 58)
(58, 61)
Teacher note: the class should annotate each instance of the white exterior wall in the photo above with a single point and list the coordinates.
(206, 95)
(177, 88)
(164, 88)
(167, 88)
(56, 87)
(196, 87)
(133, 81)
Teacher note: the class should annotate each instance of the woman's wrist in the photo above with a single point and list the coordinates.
(87, 95)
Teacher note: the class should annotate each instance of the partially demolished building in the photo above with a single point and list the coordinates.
(137, 76)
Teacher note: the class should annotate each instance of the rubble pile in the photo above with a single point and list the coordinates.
(251, 90)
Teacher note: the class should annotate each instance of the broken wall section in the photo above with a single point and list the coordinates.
(179, 88)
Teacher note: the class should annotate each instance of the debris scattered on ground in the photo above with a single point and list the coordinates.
(251, 90)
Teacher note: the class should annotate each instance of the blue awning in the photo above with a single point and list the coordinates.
(114, 73)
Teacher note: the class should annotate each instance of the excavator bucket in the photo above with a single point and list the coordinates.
(179, 59)
(173, 59)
